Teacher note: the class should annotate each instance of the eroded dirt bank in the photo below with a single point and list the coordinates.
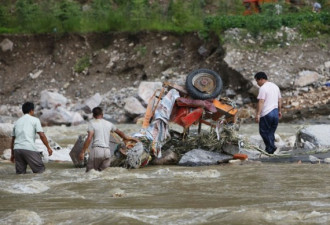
(79, 66)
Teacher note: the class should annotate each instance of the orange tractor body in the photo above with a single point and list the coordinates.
(254, 6)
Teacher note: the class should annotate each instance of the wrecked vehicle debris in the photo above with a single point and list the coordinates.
(190, 109)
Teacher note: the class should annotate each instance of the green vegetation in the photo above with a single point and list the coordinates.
(82, 64)
(310, 24)
(62, 16)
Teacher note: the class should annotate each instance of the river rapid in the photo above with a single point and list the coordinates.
(249, 193)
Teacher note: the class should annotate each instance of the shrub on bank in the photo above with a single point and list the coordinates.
(308, 22)
(61, 16)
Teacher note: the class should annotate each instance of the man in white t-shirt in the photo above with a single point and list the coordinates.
(316, 7)
(23, 148)
(99, 135)
(268, 110)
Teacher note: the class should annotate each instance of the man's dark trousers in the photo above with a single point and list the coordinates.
(267, 128)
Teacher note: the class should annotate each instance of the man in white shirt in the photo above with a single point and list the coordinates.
(268, 110)
(316, 7)
(23, 149)
(99, 135)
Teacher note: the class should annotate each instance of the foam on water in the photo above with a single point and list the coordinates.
(26, 187)
(22, 217)
(210, 173)
(61, 154)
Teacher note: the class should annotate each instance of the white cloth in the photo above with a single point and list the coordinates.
(101, 129)
(24, 131)
(270, 93)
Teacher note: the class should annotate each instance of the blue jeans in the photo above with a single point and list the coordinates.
(267, 128)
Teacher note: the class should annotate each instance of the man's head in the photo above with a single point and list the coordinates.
(28, 107)
(97, 112)
(261, 78)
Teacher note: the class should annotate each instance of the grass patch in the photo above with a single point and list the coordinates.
(82, 64)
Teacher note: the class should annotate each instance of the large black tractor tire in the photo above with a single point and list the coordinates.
(204, 84)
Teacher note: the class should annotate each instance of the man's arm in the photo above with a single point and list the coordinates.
(280, 108)
(45, 141)
(124, 137)
(12, 157)
(259, 108)
(86, 144)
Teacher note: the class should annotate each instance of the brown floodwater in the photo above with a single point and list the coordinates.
(250, 193)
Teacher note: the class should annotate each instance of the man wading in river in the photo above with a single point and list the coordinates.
(99, 135)
(23, 149)
(268, 110)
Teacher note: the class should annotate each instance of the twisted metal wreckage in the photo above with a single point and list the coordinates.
(194, 104)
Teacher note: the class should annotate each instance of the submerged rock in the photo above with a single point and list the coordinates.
(199, 157)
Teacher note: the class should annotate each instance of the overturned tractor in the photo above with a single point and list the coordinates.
(194, 104)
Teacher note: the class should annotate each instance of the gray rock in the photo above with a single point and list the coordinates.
(313, 159)
(59, 116)
(6, 45)
(199, 157)
(134, 107)
(306, 77)
(318, 135)
(6, 130)
(203, 51)
(36, 74)
(168, 158)
(147, 89)
(92, 102)
(50, 99)
(230, 93)
(235, 149)
(6, 154)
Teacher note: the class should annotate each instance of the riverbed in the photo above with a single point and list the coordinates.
(249, 193)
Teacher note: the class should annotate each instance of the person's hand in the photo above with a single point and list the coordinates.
(279, 115)
(12, 158)
(82, 155)
(130, 139)
(257, 118)
(50, 151)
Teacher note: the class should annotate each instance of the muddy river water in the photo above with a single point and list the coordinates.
(252, 193)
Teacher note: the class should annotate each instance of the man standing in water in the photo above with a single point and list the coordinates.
(23, 149)
(268, 110)
(99, 135)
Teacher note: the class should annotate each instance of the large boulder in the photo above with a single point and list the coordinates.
(314, 136)
(306, 77)
(59, 116)
(133, 107)
(92, 102)
(51, 99)
(147, 89)
(6, 130)
(199, 157)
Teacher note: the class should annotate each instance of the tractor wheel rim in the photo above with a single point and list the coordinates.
(204, 82)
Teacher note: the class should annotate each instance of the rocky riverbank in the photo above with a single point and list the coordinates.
(112, 66)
